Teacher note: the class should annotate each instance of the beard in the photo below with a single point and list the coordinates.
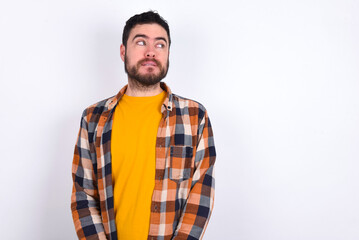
(147, 79)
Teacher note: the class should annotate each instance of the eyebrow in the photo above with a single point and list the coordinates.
(146, 37)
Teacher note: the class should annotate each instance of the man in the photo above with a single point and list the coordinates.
(144, 159)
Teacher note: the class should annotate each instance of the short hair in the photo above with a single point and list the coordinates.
(144, 18)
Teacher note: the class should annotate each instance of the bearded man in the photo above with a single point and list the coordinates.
(143, 166)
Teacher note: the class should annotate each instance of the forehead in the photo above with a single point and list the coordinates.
(152, 30)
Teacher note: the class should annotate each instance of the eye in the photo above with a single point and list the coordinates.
(160, 45)
(141, 43)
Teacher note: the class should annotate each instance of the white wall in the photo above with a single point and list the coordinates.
(280, 80)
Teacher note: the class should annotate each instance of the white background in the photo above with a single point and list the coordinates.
(280, 80)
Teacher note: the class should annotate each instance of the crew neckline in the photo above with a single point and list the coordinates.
(144, 99)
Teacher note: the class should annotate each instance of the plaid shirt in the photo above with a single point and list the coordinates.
(182, 200)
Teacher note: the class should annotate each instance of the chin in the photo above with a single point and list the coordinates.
(150, 72)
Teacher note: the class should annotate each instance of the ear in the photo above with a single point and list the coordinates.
(122, 52)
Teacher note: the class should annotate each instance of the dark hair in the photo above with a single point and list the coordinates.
(144, 18)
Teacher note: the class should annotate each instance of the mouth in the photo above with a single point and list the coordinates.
(149, 63)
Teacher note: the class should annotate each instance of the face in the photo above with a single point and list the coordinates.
(146, 54)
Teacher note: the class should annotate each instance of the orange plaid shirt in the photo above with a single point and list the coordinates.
(182, 200)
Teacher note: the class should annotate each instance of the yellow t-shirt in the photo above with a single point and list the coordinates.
(133, 143)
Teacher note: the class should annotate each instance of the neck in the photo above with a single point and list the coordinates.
(135, 89)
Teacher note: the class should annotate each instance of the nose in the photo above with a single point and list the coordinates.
(150, 53)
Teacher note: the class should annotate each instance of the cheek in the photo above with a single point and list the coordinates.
(133, 58)
(164, 57)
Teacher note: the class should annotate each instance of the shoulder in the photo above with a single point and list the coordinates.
(189, 105)
(94, 111)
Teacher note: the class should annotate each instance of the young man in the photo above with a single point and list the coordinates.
(144, 159)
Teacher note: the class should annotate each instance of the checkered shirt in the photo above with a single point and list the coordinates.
(182, 200)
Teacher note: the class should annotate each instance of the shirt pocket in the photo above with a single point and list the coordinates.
(180, 162)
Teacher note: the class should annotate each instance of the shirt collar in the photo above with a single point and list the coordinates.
(167, 104)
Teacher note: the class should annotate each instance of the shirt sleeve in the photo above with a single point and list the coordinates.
(199, 205)
(85, 205)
